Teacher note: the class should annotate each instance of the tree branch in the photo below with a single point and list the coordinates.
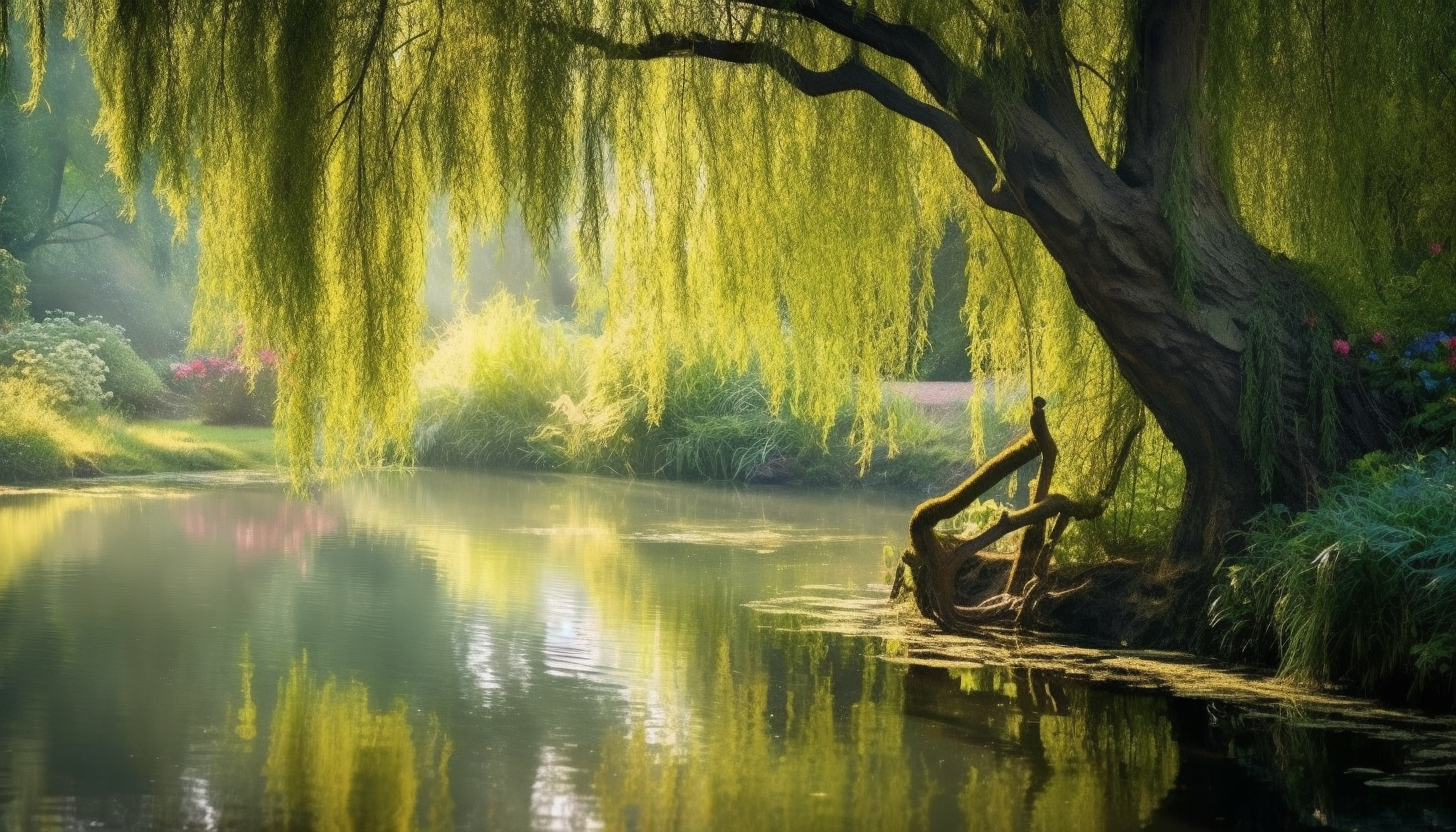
(851, 75)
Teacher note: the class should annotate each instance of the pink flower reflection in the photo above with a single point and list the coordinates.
(258, 528)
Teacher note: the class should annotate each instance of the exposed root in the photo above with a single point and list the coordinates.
(944, 571)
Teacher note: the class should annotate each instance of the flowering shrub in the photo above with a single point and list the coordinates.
(1421, 376)
(48, 354)
(219, 388)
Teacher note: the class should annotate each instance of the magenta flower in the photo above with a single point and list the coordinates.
(1435, 247)
(1340, 346)
(1377, 338)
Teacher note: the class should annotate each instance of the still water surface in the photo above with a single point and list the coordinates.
(464, 651)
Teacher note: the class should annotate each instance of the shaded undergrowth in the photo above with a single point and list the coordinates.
(1359, 591)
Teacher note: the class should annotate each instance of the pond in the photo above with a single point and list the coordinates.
(512, 652)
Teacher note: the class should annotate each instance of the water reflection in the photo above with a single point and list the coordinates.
(493, 652)
(815, 748)
(1084, 760)
(258, 525)
(335, 763)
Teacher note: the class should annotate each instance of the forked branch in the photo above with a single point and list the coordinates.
(935, 562)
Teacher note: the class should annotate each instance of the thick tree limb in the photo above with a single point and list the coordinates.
(1031, 542)
(851, 75)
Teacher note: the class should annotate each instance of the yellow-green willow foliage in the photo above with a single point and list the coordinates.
(719, 213)
(1336, 122)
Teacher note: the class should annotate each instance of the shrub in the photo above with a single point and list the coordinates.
(1419, 375)
(55, 352)
(134, 386)
(490, 384)
(221, 391)
(1360, 590)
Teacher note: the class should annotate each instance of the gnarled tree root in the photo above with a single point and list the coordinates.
(944, 569)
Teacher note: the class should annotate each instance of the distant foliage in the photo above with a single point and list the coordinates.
(1360, 590)
(14, 306)
(504, 387)
(223, 393)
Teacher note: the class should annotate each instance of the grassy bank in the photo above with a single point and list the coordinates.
(1360, 590)
(40, 443)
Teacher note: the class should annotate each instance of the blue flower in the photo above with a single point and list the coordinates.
(1374, 356)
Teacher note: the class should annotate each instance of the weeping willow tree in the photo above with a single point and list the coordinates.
(1175, 204)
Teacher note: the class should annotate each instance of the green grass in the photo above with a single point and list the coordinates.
(41, 443)
(190, 445)
(1359, 591)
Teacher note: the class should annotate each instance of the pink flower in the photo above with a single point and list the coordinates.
(1435, 247)
(1450, 343)
(1340, 346)
(1377, 338)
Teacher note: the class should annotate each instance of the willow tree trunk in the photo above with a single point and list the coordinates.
(1228, 359)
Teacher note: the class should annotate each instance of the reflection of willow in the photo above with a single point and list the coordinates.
(1036, 754)
(1090, 761)
(334, 763)
(762, 763)
(29, 524)
(573, 544)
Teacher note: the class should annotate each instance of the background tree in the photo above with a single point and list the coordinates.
(64, 217)
(1184, 200)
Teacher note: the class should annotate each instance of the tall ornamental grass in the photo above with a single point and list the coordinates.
(1359, 591)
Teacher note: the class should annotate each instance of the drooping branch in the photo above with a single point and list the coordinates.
(851, 75)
